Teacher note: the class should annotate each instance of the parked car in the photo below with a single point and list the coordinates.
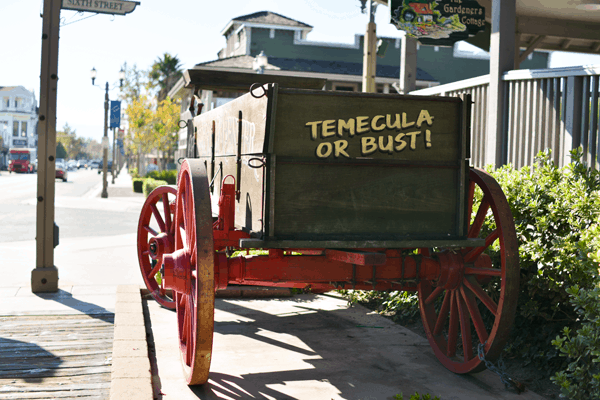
(61, 171)
(109, 166)
(71, 165)
(82, 164)
(94, 164)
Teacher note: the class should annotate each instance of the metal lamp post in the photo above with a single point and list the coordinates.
(93, 74)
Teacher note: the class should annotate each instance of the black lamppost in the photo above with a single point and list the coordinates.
(105, 145)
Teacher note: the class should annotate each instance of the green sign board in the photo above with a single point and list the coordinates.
(441, 22)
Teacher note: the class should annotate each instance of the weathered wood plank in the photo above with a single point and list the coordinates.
(50, 385)
(54, 372)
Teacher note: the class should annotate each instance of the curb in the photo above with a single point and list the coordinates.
(130, 376)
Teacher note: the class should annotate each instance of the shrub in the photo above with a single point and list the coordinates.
(581, 378)
(151, 184)
(554, 211)
(552, 208)
(138, 184)
(168, 175)
(134, 172)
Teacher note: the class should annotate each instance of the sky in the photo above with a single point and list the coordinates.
(189, 29)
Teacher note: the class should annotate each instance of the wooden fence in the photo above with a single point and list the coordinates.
(554, 109)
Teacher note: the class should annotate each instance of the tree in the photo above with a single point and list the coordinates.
(73, 145)
(165, 71)
(60, 151)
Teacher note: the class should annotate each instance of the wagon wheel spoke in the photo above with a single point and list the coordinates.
(482, 295)
(470, 198)
(476, 252)
(476, 318)
(443, 315)
(453, 328)
(478, 305)
(151, 220)
(167, 211)
(475, 227)
(150, 230)
(434, 295)
(158, 217)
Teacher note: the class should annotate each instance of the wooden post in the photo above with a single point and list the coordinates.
(573, 114)
(370, 53)
(408, 64)
(502, 52)
(44, 277)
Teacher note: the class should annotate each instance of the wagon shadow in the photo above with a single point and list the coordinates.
(23, 361)
(67, 299)
(326, 350)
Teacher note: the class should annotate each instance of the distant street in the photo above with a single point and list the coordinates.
(74, 213)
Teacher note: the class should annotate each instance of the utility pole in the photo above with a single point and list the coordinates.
(370, 51)
(44, 278)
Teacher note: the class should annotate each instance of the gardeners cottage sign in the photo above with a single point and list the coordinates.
(441, 22)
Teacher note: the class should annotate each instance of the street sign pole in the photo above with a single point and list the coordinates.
(44, 278)
(105, 146)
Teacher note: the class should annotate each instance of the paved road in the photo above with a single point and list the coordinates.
(78, 211)
(88, 225)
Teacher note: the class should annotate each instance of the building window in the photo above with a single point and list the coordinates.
(7, 102)
(24, 129)
(272, 33)
(398, 41)
(15, 128)
(238, 39)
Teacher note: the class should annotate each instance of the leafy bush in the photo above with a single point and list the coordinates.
(134, 172)
(168, 175)
(151, 184)
(581, 378)
(554, 209)
(138, 185)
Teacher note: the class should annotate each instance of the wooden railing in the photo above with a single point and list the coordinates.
(554, 109)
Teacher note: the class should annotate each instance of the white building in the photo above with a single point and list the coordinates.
(18, 119)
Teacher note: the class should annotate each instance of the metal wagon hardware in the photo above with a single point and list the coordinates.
(344, 190)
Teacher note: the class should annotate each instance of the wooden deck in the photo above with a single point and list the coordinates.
(64, 357)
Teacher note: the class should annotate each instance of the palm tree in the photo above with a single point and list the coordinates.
(165, 71)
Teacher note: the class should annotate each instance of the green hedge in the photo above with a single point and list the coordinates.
(151, 184)
(170, 176)
(138, 185)
(557, 326)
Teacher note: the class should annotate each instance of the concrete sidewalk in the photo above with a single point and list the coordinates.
(91, 314)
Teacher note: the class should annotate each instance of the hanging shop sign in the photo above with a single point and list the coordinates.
(441, 22)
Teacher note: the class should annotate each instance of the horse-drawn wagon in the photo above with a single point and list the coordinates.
(342, 190)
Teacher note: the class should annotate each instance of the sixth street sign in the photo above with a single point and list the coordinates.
(101, 6)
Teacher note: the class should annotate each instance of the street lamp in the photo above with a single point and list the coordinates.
(93, 74)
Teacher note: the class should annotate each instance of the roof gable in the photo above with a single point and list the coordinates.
(270, 18)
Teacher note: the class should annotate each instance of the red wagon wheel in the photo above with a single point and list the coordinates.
(156, 235)
(194, 244)
(475, 309)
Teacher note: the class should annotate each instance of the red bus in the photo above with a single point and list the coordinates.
(22, 160)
